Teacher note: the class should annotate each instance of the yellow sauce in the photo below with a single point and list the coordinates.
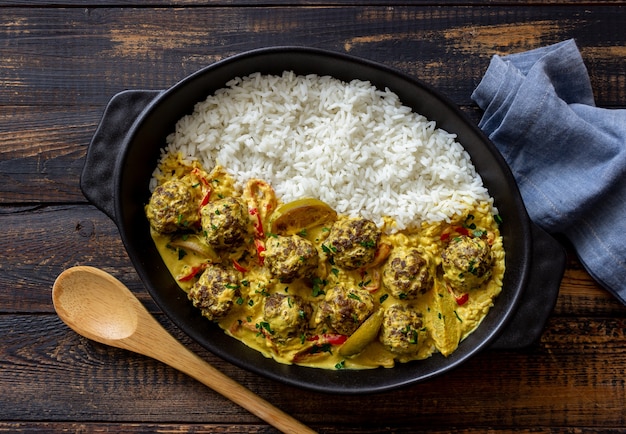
(446, 321)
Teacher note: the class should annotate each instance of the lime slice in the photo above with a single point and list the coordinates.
(294, 217)
(365, 334)
(446, 325)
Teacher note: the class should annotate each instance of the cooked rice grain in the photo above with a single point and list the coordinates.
(351, 145)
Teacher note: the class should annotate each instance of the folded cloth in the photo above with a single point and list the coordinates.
(567, 155)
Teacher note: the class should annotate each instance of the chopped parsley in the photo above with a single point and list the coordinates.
(354, 296)
(479, 233)
(264, 325)
(324, 348)
(368, 244)
(318, 285)
(364, 283)
(262, 291)
(329, 249)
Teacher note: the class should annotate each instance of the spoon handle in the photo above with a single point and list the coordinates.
(173, 353)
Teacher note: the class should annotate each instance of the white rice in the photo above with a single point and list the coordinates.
(350, 145)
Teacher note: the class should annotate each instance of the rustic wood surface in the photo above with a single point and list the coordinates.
(60, 62)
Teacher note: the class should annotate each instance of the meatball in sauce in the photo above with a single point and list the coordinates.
(287, 315)
(401, 328)
(216, 291)
(467, 263)
(290, 257)
(352, 242)
(224, 222)
(172, 207)
(407, 273)
(344, 309)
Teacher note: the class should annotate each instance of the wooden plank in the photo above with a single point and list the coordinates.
(128, 428)
(573, 378)
(41, 242)
(48, 52)
(42, 152)
(294, 3)
(61, 427)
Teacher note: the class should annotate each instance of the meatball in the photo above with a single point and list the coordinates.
(215, 291)
(466, 263)
(352, 242)
(400, 329)
(287, 315)
(345, 309)
(172, 207)
(225, 222)
(407, 274)
(290, 257)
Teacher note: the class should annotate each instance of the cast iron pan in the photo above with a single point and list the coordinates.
(125, 150)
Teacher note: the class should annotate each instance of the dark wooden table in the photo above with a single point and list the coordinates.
(60, 62)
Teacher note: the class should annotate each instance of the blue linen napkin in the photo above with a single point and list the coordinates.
(567, 155)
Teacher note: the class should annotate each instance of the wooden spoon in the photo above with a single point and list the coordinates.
(98, 306)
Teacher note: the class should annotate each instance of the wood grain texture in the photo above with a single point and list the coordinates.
(575, 373)
(61, 63)
(52, 52)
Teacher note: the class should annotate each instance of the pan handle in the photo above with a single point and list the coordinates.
(107, 146)
(539, 298)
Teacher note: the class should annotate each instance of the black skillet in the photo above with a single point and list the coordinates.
(125, 149)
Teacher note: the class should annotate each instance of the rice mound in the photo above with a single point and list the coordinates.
(351, 145)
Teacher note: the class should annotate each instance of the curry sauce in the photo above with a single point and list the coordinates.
(321, 289)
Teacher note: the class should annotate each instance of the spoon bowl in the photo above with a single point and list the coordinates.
(110, 317)
(98, 306)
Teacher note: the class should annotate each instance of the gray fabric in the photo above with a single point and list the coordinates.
(567, 155)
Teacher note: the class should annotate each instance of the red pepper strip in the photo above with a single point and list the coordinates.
(334, 339)
(192, 273)
(462, 299)
(207, 185)
(317, 349)
(261, 201)
(197, 172)
(329, 338)
(239, 267)
(206, 198)
(258, 226)
(461, 230)
(260, 248)
(458, 229)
